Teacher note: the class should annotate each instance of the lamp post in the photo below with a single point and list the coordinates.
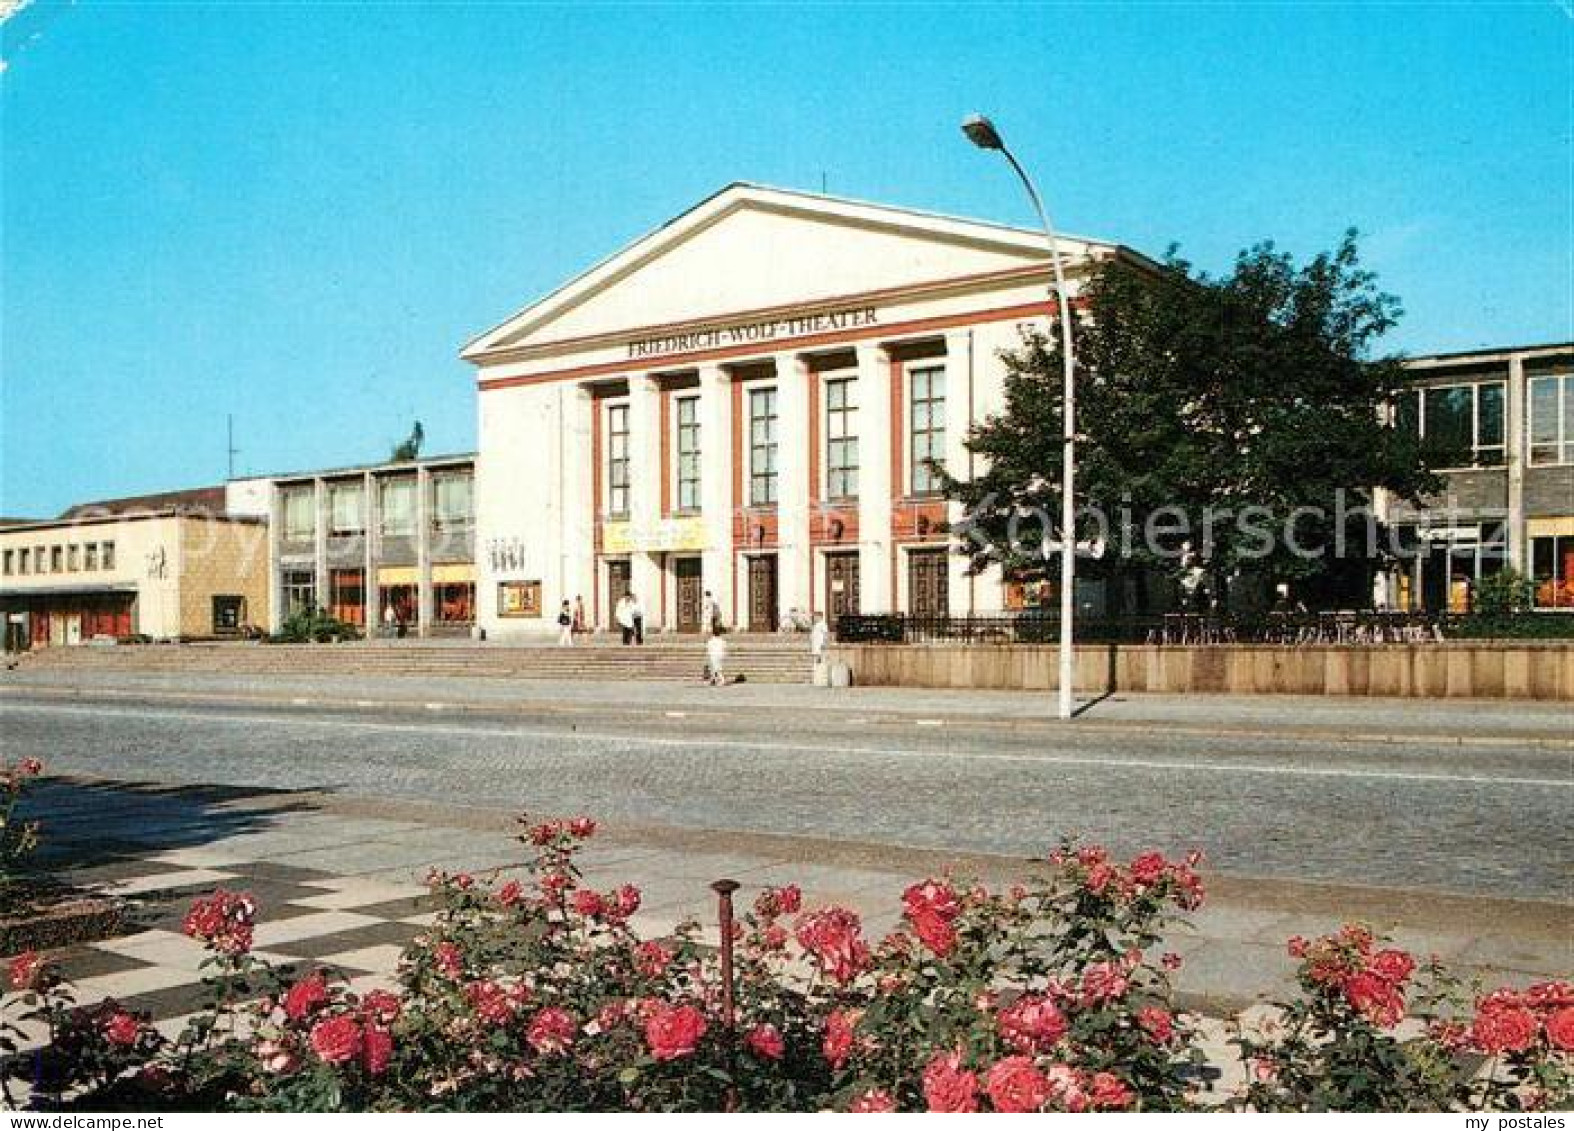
(982, 133)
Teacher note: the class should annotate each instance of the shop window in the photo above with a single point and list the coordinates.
(926, 429)
(762, 447)
(618, 460)
(347, 509)
(841, 438)
(297, 507)
(688, 446)
(454, 602)
(1466, 420)
(1552, 419)
(347, 595)
(1552, 569)
(403, 599)
(396, 501)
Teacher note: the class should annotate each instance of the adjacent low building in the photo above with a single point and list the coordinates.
(1512, 504)
(391, 545)
(164, 567)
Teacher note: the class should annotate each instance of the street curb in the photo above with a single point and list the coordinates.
(874, 715)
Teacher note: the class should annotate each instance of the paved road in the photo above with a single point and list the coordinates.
(1424, 814)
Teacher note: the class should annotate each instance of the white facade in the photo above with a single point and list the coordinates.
(739, 403)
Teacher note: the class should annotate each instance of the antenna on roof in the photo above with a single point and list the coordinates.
(229, 443)
(823, 190)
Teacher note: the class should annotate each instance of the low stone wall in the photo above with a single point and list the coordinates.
(1463, 669)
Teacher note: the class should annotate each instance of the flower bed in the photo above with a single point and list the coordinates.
(1047, 996)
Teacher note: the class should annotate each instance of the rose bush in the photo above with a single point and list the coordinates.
(535, 993)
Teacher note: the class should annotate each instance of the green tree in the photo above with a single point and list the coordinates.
(1250, 397)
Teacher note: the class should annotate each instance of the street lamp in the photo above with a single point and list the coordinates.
(982, 133)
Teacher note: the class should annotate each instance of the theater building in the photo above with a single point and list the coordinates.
(361, 542)
(1511, 503)
(166, 567)
(746, 401)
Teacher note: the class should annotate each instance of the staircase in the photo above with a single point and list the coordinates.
(673, 660)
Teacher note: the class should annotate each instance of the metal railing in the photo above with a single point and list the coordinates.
(1343, 627)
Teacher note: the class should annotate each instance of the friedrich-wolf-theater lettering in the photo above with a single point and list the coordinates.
(747, 333)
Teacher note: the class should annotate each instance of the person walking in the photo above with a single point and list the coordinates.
(637, 614)
(579, 615)
(819, 638)
(389, 618)
(624, 615)
(716, 659)
(710, 613)
(565, 626)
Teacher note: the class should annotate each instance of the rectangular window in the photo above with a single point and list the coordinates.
(688, 445)
(618, 460)
(10, 562)
(41, 559)
(1552, 570)
(841, 438)
(347, 595)
(24, 561)
(1467, 419)
(926, 431)
(347, 509)
(762, 447)
(453, 602)
(297, 506)
(107, 552)
(73, 559)
(396, 502)
(1552, 419)
(453, 506)
(300, 591)
(56, 560)
(90, 556)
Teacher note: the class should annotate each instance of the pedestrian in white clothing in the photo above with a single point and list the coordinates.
(715, 659)
(819, 638)
(565, 626)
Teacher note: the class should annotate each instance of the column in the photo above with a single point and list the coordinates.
(320, 542)
(716, 484)
(576, 479)
(423, 551)
(645, 493)
(793, 572)
(1515, 450)
(875, 489)
(371, 601)
(960, 398)
(275, 568)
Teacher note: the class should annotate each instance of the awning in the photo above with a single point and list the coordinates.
(453, 573)
(1549, 527)
(398, 575)
(126, 589)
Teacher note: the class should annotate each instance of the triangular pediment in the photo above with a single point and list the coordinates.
(750, 248)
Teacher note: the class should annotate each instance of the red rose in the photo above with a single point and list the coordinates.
(380, 1005)
(305, 996)
(1550, 995)
(1560, 1029)
(875, 1101)
(1014, 1085)
(1504, 1029)
(586, 902)
(449, 958)
(948, 1087)
(1375, 998)
(651, 958)
(1157, 1023)
(1393, 966)
(934, 897)
(582, 827)
(376, 1049)
(1032, 1024)
(122, 1029)
(25, 969)
(1104, 981)
(1066, 1087)
(833, 938)
(509, 894)
(1106, 1091)
(934, 932)
(674, 1031)
(223, 922)
(626, 901)
(552, 1031)
(1149, 868)
(337, 1040)
(491, 1002)
(765, 1042)
(838, 1043)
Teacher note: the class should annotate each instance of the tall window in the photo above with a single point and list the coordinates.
(56, 558)
(296, 505)
(10, 562)
(1552, 568)
(90, 556)
(618, 460)
(41, 559)
(762, 447)
(23, 560)
(1552, 419)
(453, 501)
(347, 595)
(107, 552)
(73, 558)
(926, 431)
(688, 453)
(300, 591)
(396, 504)
(347, 509)
(841, 438)
(1468, 419)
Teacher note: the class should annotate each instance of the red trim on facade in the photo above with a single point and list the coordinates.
(662, 364)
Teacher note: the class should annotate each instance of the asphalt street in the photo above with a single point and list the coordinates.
(1416, 814)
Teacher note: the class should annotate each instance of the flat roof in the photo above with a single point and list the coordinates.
(1491, 354)
(361, 469)
(131, 516)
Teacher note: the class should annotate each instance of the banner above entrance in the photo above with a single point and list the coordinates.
(662, 536)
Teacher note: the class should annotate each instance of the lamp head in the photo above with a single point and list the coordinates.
(981, 132)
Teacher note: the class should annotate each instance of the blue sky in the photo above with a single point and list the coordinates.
(297, 213)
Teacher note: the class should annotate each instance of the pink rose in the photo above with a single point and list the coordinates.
(1157, 1023)
(838, 1043)
(1032, 1024)
(674, 1031)
(1393, 966)
(1015, 1085)
(1560, 1029)
(1376, 999)
(948, 1087)
(1106, 1091)
(1504, 1029)
(552, 1031)
(876, 1101)
(833, 938)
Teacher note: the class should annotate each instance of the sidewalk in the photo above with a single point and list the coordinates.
(1449, 721)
